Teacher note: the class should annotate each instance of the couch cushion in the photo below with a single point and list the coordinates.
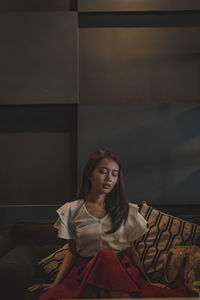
(5, 241)
(46, 250)
(194, 218)
(51, 263)
(17, 269)
(165, 232)
(40, 232)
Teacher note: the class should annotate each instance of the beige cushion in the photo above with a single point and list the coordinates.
(51, 263)
(166, 231)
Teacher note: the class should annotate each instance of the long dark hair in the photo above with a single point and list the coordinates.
(116, 203)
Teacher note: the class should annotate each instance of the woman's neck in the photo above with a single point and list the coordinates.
(97, 199)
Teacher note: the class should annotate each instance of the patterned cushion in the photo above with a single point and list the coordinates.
(166, 231)
(51, 263)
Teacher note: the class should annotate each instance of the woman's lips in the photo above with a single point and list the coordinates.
(106, 186)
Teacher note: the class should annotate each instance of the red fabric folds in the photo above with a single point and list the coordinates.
(108, 271)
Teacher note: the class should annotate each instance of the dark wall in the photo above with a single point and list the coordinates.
(37, 5)
(38, 57)
(139, 96)
(38, 154)
(137, 5)
(158, 145)
(38, 108)
(151, 64)
(78, 76)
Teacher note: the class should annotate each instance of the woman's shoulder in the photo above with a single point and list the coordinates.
(70, 207)
(135, 221)
(133, 208)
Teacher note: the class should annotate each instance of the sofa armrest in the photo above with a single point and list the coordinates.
(17, 269)
(5, 241)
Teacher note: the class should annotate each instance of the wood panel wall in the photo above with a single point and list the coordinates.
(79, 75)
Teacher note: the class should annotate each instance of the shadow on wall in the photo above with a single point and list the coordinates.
(186, 154)
(186, 123)
(188, 191)
(164, 157)
(159, 146)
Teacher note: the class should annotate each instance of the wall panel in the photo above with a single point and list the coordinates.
(137, 5)
(38, 58)
(140, 64)
(36, 168)
(36, 5)
(37, 155)
(158, 145)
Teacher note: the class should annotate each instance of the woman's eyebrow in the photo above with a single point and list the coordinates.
(102, 167)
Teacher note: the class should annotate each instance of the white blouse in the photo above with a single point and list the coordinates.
(89, 232)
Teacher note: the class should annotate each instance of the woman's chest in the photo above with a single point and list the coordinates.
(97, 213)
(96, 230)
(91, 224)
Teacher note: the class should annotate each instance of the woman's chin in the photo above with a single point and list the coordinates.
(106, 191)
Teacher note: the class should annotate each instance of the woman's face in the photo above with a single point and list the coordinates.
(104, 176)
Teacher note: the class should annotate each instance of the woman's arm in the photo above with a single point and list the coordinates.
(136, 260)
(68, 262)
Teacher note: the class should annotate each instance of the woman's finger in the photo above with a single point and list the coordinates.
(46, 286)
(43, 286)
(34, 287)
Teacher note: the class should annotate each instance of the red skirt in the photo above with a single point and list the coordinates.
(107, 271)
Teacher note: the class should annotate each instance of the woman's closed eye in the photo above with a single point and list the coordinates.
(103, 171)
(115, 174)
(107, 173)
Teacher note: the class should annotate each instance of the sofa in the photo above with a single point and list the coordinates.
(22, 245)
(27, 242)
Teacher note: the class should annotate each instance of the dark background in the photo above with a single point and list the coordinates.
(78, 76)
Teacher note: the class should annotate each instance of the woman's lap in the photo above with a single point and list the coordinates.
(106, 271)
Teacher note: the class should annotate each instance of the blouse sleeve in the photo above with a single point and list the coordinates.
(135, 226)
(64, 222)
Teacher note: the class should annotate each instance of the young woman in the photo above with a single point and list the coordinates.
(100, 228)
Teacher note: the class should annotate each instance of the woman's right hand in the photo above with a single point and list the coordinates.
(40, 286)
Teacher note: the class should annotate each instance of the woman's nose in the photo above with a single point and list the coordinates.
(108, 177)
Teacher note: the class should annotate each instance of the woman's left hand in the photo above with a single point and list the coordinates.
(40, 286)
(46, 286)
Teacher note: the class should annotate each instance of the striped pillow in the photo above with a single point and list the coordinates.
(51, 263)
(166, 231)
